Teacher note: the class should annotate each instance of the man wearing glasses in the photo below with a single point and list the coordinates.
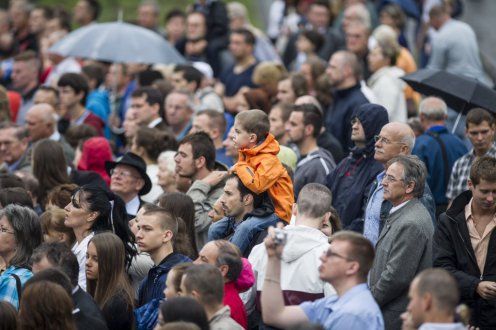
(394, 139)
(404, 246)
(345, 266)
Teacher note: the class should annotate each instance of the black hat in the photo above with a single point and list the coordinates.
(135, 161)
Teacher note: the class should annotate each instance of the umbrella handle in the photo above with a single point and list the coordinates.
(457, 121)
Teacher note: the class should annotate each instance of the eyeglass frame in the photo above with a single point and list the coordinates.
(122, 173)
(378, 138)
(6, 231)
(328, 253)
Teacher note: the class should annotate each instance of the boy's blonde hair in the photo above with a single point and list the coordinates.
(254, 122)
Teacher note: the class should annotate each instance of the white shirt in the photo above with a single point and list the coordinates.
(396, 208)
(133, 205)
(79, 249)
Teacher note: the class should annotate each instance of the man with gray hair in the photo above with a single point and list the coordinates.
(433, 295)
(179, 112)
(395, 139)
(437, 148)
(404, 247)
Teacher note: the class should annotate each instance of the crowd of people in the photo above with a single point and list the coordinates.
(286, 179)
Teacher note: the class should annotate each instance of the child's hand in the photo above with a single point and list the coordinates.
(214, 177)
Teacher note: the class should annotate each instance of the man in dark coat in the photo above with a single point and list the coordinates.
(351, 181)
(465, 241)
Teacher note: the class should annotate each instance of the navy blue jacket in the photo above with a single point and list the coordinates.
(430, 152)
(353, 177)
(154, 283)
(338, 117)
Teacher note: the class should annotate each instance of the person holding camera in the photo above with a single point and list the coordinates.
(345, 266)
(305, 244)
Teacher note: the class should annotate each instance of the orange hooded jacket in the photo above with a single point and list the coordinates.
(260, 170)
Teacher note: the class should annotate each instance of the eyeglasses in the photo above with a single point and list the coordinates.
(389, 178)
(6, 231)
(124, 174)
(384, 140)
(329, 254)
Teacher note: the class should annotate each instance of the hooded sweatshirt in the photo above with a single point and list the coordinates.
(300, 263)
(351, 181)
(260, 170)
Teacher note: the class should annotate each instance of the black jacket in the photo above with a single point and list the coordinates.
(452, 250)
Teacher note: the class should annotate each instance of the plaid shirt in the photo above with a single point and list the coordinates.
(8, 286)
(461, 170)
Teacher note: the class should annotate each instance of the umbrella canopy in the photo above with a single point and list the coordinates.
(460, 93)
(117, 42)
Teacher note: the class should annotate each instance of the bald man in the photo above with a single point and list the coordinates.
(41, 123)
(394, 139)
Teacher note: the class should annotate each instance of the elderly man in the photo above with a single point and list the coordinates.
(345, 266)
(14, 148)
(227, 258)
(128, 179)
(41, 123)
(465, 242)
(404, 247)
(394, 139)
(437, 148)
(205, 283)
(179, 112)
(434, 296)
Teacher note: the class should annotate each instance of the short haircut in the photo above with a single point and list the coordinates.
(50, 89)
(95, 8)
(75, 81)
(243, 190)
(299, 84)
(10, 180)
(315, 38)
(202, 146)
(311, 116)
(478, 115)
(230, 255)
(286, 110)
(167, 220)
(483, 168)
(441, 285)
(361, 250)
(173, 13)
(190, 73)
(148, 77)
(152, 95)
(179, 271)
(207, 280)
(217, 119)
(15, 195)
(94, 71)
(438, 11)
(26, 56)
(154, 140)
(254, 122)
(350, 60)
(247, 35)
(54, 275)
(60, 256)
(433, 108)
(414, 170)
(314, 200)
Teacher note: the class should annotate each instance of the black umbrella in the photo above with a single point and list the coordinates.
(460, 93)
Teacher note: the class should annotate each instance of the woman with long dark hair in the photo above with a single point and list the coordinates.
(107, 281)
(93, 209)
(49, 167)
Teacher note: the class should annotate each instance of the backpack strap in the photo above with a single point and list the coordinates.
(18, 285)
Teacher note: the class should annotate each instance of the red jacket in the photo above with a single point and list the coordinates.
(232, 299)
(260, 170)
(96, 151)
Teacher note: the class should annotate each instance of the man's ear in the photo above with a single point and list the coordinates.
(156, 108)
(200, 162)
(308, 130)
(427, 300)
(410, 186)
(224, 269)
(140, 185)
(252, 138)
(248, 199)
(167, 237)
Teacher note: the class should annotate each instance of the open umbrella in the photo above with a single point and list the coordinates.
(460, 93)
(117, 42)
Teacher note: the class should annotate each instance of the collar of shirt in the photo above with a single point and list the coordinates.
(154, 122)
(12, 167)
(133, 205)
(335, 302)
(79, 247)
(396, 208)
(55, 136)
